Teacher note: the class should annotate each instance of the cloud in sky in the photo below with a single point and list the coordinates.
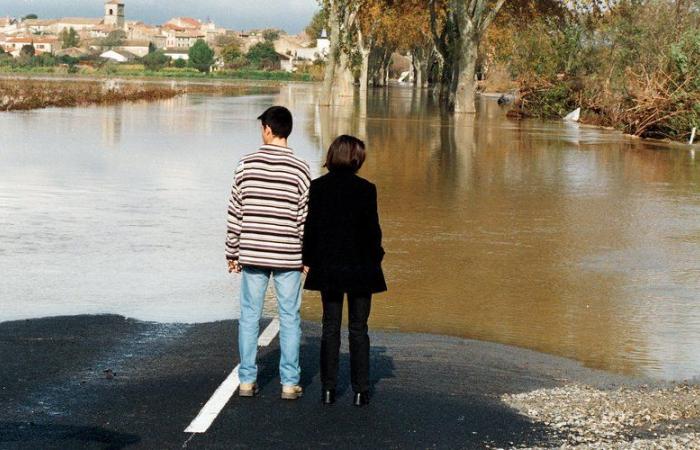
(290, 15)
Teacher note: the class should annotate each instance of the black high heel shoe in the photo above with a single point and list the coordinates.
(328, 396)
(361, 399)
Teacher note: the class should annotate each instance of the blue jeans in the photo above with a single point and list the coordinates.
(288, 289)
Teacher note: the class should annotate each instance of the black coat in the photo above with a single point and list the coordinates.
(342, 236)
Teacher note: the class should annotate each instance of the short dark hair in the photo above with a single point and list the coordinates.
(346, 153)
(279, 119)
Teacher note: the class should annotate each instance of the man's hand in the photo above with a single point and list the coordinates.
(305, 270)
(234, 267)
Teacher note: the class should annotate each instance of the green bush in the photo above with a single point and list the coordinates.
(155, 61)
(201, 56)
(263, 56)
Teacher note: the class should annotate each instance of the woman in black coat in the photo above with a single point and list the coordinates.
(343, 254)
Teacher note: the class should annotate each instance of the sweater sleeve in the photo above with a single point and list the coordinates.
(303, 206)
(235, 218)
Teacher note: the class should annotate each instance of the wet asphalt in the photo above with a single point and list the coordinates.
(106, 382)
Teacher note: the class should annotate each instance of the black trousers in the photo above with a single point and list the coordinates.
(358, 313)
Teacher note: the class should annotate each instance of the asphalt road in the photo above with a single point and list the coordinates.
(428, 391)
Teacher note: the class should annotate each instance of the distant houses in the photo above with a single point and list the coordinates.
(41, 44)
(135, 38)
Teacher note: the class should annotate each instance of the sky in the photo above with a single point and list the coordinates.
(289, 15)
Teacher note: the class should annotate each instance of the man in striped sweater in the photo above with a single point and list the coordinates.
(266, 215)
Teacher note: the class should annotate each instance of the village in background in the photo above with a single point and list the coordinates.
(82, 44)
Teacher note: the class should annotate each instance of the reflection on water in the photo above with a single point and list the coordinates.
(557, 237)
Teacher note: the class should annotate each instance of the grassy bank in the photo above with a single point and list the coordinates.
(33, 94)
(34, 91)
(138, 71)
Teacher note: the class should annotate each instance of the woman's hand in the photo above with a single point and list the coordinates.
(305, 270)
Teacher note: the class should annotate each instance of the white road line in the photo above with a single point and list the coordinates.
(225, 391)
(269, 334)
(216, 403)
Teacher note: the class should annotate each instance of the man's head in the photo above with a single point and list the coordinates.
(276, 123)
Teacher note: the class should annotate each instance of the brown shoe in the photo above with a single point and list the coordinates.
(292, 392)
(248, 390)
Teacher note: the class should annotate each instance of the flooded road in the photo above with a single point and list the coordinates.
(562, 238)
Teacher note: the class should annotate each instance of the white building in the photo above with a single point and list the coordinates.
(182, 39)
(8, 25)
(38, 26)
(323, 46)
(178, 53)
(76, 23)
(119, 56)
(323, 43)
(42, 44)
(286, 62)
(138, 48)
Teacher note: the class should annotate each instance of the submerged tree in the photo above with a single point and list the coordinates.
(338, 79)
(458, 37)
(365, 33)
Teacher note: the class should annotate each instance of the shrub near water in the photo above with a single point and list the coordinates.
(624, 69)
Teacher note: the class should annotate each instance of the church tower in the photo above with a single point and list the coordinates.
(114, 14)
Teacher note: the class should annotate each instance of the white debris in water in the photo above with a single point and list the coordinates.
(582, 417)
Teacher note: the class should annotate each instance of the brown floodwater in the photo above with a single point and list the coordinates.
(566, 239)
(562, 238)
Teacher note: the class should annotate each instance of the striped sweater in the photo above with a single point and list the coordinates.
(267, 209)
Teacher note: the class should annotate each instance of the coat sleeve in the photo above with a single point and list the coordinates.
(310, 231)
(374, 230)
(235, 218)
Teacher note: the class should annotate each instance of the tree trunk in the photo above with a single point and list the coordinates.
(338, 80)
(364, 67)
(345, 80)
(471, 21)
(364, 72)
(330, 74)
(387, 68)
(465, 95)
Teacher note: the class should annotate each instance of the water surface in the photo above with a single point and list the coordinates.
(562, 238)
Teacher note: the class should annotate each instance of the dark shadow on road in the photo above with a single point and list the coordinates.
(381, 365)
(37, 435)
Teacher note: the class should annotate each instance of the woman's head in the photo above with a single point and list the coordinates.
(346, 154)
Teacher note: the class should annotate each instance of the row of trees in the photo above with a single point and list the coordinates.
(261, 56)
(202, 57)
(442, 36)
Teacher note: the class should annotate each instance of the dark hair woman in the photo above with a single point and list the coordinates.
(343, 253)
